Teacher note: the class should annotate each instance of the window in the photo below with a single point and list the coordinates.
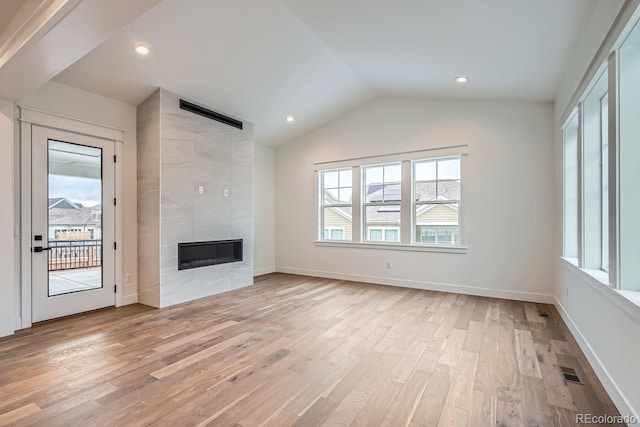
(437, 196)
(412, 201)
(382, 201)
(333, 233)
(336, 220)
(570, 170)
(601, 153)
(628, 160)
(594, 177)
(604, 179)
(384, 234)
(438, 235)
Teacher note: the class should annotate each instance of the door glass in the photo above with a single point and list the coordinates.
(74, 218)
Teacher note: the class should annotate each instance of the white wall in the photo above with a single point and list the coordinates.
(7, 312)
(507, 195)
(78, 104)
(585, 49)
(605, 325)
(264, 210)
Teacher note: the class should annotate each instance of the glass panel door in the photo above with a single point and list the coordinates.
(73, 223)
(74, 218)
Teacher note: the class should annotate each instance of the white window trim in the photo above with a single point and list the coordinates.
(449, 249)
(439, 201)
(628, 301)
(407, 233)
(321, 205)
(365, 204)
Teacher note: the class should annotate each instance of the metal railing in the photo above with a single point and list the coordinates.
(74, 254)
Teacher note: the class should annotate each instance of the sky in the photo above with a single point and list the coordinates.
(87, 191)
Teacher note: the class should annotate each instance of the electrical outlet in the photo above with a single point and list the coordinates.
(201, 189)
(226, 193)
(127, 278)
(388, 264)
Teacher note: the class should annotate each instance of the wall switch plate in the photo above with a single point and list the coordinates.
(201, 189)
(127, 278)
(388, 264)
(226, 193)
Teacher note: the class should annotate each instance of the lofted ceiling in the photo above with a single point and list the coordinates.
(262, 60)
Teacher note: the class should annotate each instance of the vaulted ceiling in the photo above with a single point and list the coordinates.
(262, 60)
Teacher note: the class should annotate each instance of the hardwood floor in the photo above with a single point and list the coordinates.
(301, 351)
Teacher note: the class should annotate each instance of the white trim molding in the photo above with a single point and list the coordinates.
(390, 246)
(427, 286)
(431, 153)
(57, 121)
(621, 402)
(263, 271)
(28, 118)
(128, 299)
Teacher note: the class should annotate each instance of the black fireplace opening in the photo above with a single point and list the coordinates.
(202, 254)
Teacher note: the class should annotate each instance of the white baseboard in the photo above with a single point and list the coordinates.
(429, 286)
(130, 299)
(609, 384)
(265, 270)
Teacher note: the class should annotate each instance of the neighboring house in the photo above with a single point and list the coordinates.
(72, 221)
(63, 203)
(436, 223)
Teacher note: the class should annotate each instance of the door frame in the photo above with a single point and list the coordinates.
(30, 117)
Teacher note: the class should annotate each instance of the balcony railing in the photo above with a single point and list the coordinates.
(74, 254)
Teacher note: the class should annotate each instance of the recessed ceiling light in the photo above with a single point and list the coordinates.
(290, 119)
(142, 49)
(462, 79)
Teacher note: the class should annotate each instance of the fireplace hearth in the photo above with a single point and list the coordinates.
(202, 254)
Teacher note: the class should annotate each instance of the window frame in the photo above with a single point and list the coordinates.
(407, 231)
(380, 204)
(416, 203)
(574, 257)
(591, 180)
(322, 205)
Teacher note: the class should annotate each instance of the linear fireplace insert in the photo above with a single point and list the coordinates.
(202, 254)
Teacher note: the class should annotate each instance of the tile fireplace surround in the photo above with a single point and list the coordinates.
(185, 164)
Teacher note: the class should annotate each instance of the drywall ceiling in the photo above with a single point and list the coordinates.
(261, 60)
(509, 49)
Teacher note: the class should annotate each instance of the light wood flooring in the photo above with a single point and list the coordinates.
(301, 351)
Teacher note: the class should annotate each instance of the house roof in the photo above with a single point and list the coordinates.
(424, 191)
(75, 217)
(63, 203)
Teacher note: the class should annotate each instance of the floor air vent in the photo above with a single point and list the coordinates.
(543, 312)
(570, 374)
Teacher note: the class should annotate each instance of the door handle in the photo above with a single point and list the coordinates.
(40, 249)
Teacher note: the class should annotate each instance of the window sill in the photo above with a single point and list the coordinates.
(633, 296)
(395, 247)
(628, 301)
